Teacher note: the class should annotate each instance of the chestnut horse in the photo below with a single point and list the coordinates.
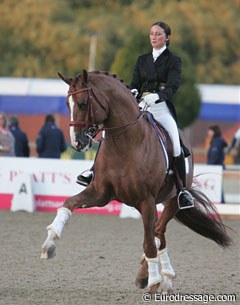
(131, 167)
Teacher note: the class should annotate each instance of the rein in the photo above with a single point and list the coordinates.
(92, 129)
(124, 127)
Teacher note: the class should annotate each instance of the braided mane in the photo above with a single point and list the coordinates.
(106, 73)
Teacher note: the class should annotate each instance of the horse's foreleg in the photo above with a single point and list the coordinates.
(142, 275)
(54, 232)
(148, 211)
(88, 198)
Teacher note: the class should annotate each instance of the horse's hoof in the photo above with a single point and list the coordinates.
(48, 253)
(167, 291)
(154, 288)
(141, 283)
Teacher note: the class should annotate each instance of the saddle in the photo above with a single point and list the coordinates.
(164, 137)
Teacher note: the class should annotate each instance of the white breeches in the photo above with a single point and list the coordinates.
(162, 114)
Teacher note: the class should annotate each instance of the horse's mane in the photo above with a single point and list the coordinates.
(107, 74)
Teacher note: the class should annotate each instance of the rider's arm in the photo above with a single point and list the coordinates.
(173, 80)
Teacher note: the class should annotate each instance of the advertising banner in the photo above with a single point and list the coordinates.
(54, 180)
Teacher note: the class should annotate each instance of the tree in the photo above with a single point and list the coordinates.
(187, 100)
(40, 37)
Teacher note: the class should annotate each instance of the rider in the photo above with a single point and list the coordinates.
(156, 78)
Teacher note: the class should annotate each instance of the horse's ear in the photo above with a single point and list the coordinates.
(65, 79)
(85, 76)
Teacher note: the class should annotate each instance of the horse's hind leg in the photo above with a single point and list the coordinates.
(167, 271)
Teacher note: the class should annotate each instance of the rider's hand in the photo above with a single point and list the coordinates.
(134, 92)
(150, 99)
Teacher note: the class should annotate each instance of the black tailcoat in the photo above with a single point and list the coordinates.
(148, 75)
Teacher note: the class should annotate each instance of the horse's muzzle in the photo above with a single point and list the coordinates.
(83, 145)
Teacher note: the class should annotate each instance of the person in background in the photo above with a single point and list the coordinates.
(21, 140)
(50, 142)
(216, 154)
(235, 143)
(6, 138)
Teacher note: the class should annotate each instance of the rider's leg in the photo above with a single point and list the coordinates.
(86, 177)
(185, 199)
(163, 115)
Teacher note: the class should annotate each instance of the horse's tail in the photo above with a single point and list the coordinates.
(204, 220)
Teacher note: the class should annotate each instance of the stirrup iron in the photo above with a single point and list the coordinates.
(187, 199)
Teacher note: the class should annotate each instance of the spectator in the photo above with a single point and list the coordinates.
(215, 154)
(6, 138)
(235, 143)
(50, 141)
(21, 140)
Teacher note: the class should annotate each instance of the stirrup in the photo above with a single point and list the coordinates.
(185, 200)
(85, 179)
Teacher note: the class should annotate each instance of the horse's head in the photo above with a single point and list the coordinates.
(86, 111)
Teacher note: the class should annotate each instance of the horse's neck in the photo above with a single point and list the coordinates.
(122, 110)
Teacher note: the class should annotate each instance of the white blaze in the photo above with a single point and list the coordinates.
(72, 132)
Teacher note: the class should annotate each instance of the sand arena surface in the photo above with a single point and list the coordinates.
(98, 258)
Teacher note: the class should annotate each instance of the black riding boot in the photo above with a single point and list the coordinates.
(185, 199)
(86, 177)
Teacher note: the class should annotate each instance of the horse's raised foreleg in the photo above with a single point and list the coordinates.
(150, 245)
(86, 199)
(54, 232)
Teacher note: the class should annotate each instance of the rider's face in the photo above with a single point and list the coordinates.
(157, 37)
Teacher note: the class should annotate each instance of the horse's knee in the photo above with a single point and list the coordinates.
(68, 204)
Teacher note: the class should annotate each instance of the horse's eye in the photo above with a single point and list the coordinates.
(82, 105)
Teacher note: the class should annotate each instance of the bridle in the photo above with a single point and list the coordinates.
(90, 116)
(92, 129)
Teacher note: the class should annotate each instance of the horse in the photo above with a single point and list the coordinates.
(131, 167)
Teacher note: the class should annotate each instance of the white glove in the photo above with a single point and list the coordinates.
(134, 92)
(143, 106)
(150, 99)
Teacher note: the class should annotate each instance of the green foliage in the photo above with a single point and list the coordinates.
(187, 100)
(126, 56)
(40, 37)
